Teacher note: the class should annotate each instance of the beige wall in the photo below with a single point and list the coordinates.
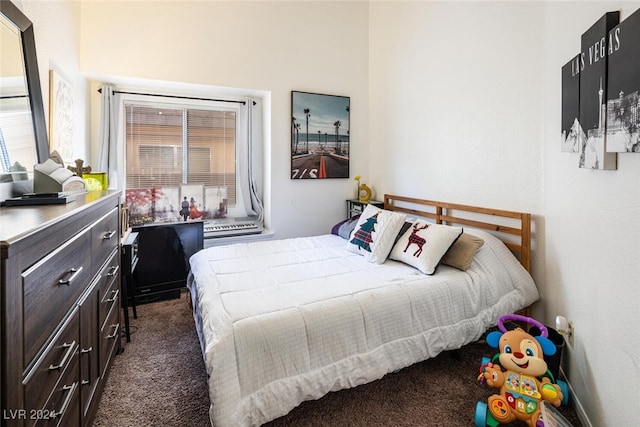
(272, 47)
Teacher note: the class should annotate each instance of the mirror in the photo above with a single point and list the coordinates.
(23, 134)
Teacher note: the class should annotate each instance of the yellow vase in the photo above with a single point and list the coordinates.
(364, 193)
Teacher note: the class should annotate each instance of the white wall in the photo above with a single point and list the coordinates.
(275, 47)
(57, 34)
(455, 106)
(592, 240)
(457, 101)
(465, 107)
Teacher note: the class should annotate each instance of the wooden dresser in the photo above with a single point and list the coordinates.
(60, 299)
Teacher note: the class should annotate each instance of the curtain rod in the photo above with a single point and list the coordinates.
(13, 96)
(180, 97)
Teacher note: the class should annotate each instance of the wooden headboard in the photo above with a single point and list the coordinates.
(513, 228)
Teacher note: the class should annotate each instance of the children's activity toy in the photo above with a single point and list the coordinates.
(521, 374)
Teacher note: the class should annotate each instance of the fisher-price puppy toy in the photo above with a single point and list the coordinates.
(520, 372)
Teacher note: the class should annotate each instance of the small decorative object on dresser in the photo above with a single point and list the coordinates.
(52, 177)
(79, 169)
(96, 181)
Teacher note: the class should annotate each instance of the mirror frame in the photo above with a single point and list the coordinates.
(13, 14)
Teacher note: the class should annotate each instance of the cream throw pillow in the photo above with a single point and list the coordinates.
(424, 244)
(375, 232)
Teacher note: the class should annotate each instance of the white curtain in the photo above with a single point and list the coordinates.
(255, 157)
(108, 159)
(250, 158)
(250, 162)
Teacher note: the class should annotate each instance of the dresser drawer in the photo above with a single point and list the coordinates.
(105, 237)
(63, 406)
(109, 336)
(51, 288)
(60, 359)
(109, 286)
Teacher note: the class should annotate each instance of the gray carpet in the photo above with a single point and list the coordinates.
(160, 380)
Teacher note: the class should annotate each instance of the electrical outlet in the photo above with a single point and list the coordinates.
(570, 334)
(565, 328)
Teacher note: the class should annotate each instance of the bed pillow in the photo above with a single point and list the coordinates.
(336, 228)
(345, 226)
(374, 233)
(346, 229)
(461, 254)
(407, 225)
(424, 244)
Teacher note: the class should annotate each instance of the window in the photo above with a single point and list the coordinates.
(184, 160)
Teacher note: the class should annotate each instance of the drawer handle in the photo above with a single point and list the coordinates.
(115, 295)
(85, 351)
(109, 235)
(70, 350)
(73, 274)
(115, 331)
(71, 390)
(113, 270)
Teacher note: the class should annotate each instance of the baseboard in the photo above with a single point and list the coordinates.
(576, 402)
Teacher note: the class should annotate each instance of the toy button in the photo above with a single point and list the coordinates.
(498, 409)
(549, 392)
(531, 406)
(511, 400)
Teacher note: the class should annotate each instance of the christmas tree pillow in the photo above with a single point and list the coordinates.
(424, 244)
(375, 232)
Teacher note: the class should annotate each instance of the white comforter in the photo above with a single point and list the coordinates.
(285, 321)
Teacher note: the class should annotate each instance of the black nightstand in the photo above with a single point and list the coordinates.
(128, 262)
(355, 207)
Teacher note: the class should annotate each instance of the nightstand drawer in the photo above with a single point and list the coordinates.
(51, 288)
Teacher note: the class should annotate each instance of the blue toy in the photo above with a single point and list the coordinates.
(520, 372)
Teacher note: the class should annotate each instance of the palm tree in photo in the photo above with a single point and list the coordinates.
(319, 143)
(348, 143)
(307, 113)
(337, 124)
(348, 148)
(296, 130)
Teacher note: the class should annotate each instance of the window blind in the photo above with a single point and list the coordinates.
(169, 147)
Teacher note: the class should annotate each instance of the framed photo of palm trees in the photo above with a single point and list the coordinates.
(320, 140)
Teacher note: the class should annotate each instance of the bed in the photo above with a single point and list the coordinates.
(285, 321)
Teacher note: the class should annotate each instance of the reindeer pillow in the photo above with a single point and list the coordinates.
(375, 232)
(424, 244)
